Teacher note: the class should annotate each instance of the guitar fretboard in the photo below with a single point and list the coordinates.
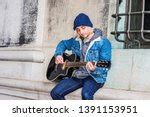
(76, 64)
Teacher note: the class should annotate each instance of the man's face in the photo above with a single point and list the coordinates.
(83, 31)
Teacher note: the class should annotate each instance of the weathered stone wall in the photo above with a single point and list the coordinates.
(62, 14)
(17, 21)
(29, 20)
(10, 21)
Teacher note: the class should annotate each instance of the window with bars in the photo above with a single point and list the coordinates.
(132, 23)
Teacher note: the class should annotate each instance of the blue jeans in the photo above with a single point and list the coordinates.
(68, 85)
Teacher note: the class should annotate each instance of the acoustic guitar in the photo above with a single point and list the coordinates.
(58, 71)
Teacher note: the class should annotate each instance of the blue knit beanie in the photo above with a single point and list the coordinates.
(82, 20)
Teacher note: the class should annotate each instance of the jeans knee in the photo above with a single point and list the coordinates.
(53, 93)
(56, 96)
(87, 96)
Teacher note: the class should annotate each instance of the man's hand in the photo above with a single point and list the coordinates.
(59, 59)
(90, 66)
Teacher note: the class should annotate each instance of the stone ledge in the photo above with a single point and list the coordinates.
(117, 94)
(22, 55)
(26, 84)
(23, 94)
(102, 94)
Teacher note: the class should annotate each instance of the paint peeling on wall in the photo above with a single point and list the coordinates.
(29, 21)
(17, 22)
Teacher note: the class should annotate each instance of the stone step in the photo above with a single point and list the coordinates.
(9, 93)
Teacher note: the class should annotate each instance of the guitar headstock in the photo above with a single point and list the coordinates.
(103, 63)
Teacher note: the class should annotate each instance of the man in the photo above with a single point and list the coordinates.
(89, 45)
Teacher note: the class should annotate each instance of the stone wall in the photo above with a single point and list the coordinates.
(29, 21)
(61, 15)
(17, 21)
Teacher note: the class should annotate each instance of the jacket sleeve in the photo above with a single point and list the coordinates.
(105, 54)
(105, 51)
(63, 46)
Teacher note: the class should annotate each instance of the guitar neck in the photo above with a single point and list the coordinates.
(68, 64)
(76, 64)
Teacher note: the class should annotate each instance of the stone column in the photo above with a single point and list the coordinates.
(22, 60)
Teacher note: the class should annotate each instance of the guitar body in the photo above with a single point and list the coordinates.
(56, 72)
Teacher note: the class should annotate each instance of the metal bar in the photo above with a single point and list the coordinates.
(129, 21)
(131, 31)
(140, 12)
(135, 31)
(146, 12)
(146, 31)
(116, 22)
(142, 28)
(118, 32)
(126, 14)
(132, 13)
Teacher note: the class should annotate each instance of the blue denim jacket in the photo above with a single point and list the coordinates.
(99, 49)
